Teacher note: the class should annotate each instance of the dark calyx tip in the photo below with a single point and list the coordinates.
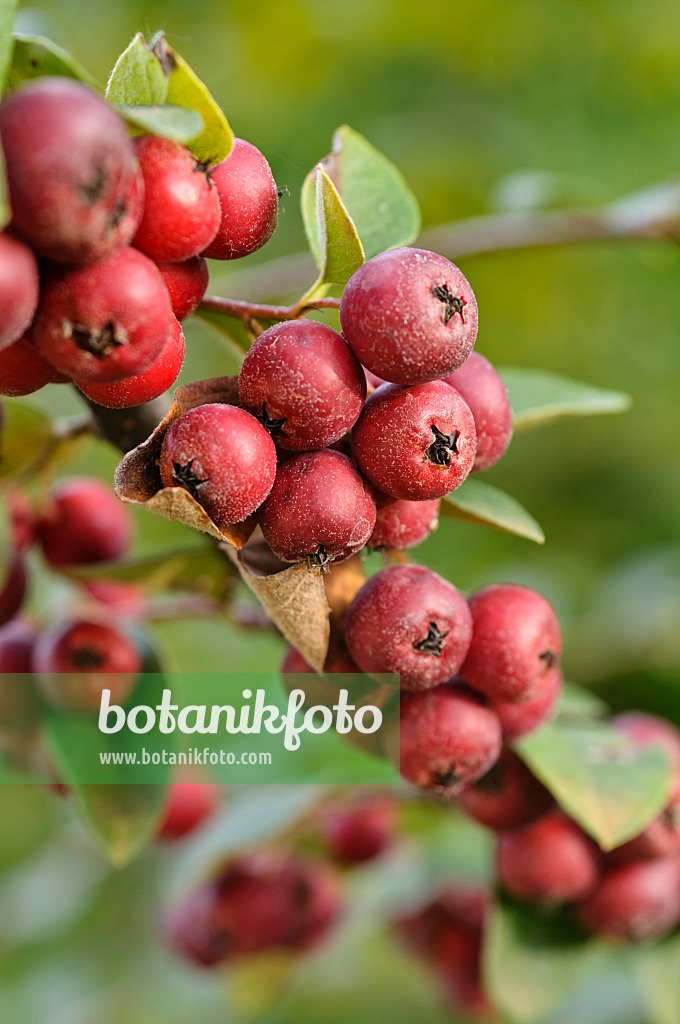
(271, 425)
(184, 476)
(550, 659)
(87, 658)
(452, 303)
(433, 642)
(442, 448)
(97, 343)
(320, 559)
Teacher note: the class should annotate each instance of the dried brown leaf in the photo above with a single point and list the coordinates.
(138, 480)
(293, 597)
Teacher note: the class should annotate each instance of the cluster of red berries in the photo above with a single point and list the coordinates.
(105, 252)
(79, 522)
(328, 470)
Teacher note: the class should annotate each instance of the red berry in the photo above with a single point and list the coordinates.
(416, 443)
(484, 391)
(249, 203)
(145, 386)
(84, 523)
(360, 831)
(188, 805)
(17, 640)
(634, 902)
(520, 719)
(13, 589)
(75, 188)
(549, 861)
(319, 508)
(302, 381)
(181, 209)
(23, 519)
(78, 659)
(223, 457)
(402, 524)
(516, 641)
(23, 370)
(507, 797)
(19, 705)
(407, 619)
(409, 315)
(186, 283)
(18, 289)
(125, 600)
(448, 738)
(106, 321)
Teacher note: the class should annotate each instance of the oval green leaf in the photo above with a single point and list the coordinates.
(534, 961)
(477, 502)
(167, 120)
(8, 10)
(137, 76)
(537, 396)
(37, 57)
(610, 787)
(374, 192)
(25, 432)
(185, 89)
(336, 245)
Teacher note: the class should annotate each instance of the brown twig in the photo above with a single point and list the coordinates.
(249, 311)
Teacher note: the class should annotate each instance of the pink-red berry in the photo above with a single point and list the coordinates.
(23, 370)
(303, 383)
(507, 797)
(18, 289)
(83, 523)
(409, 620)
(550, 861)
(223, 457)
(634, 902)
(186, 283)
(249, 203)
(357, 832)
(416, 443)
(188, 805)
(484, 391)
(520, 719)
(409, 315)
(402, 524)
(319, 509)
(13, 588)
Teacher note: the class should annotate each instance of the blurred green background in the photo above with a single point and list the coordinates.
(485, 106)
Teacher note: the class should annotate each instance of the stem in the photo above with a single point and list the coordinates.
(126, 428)
(246, 311)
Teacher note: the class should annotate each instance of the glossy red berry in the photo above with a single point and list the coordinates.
(76, 660)
(507, 797)
(249, 203)
(188, 806)
(319, 509)
(408, 620)
(448, 738)
(75, 188)
(516, 641)
(223, 457)
(13, 588)
(484, 391)
(145, 386)
(634, 902)
(23, 370)
(416, 443)
(402, 524)
(186, 283)
(18, 289)
(105, 321)
(181, 210)
(409, 315)
(83, 524)
(520, 719)
(354, 833)
(303, 383)
(550, 861)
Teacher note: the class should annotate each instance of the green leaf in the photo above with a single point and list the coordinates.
(656, 970)
(26, 430)
(533, 961)
(477, 502)
(37, 57)
(167, 120)
(8, 9)
(537, 396)
(610, 787)
(200, 569)
(185, 89)
(137, 76)
(374, 192)
(337, 247)
(121, 816)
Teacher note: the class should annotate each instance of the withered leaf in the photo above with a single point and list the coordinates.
(138, 480)
(293, 597)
